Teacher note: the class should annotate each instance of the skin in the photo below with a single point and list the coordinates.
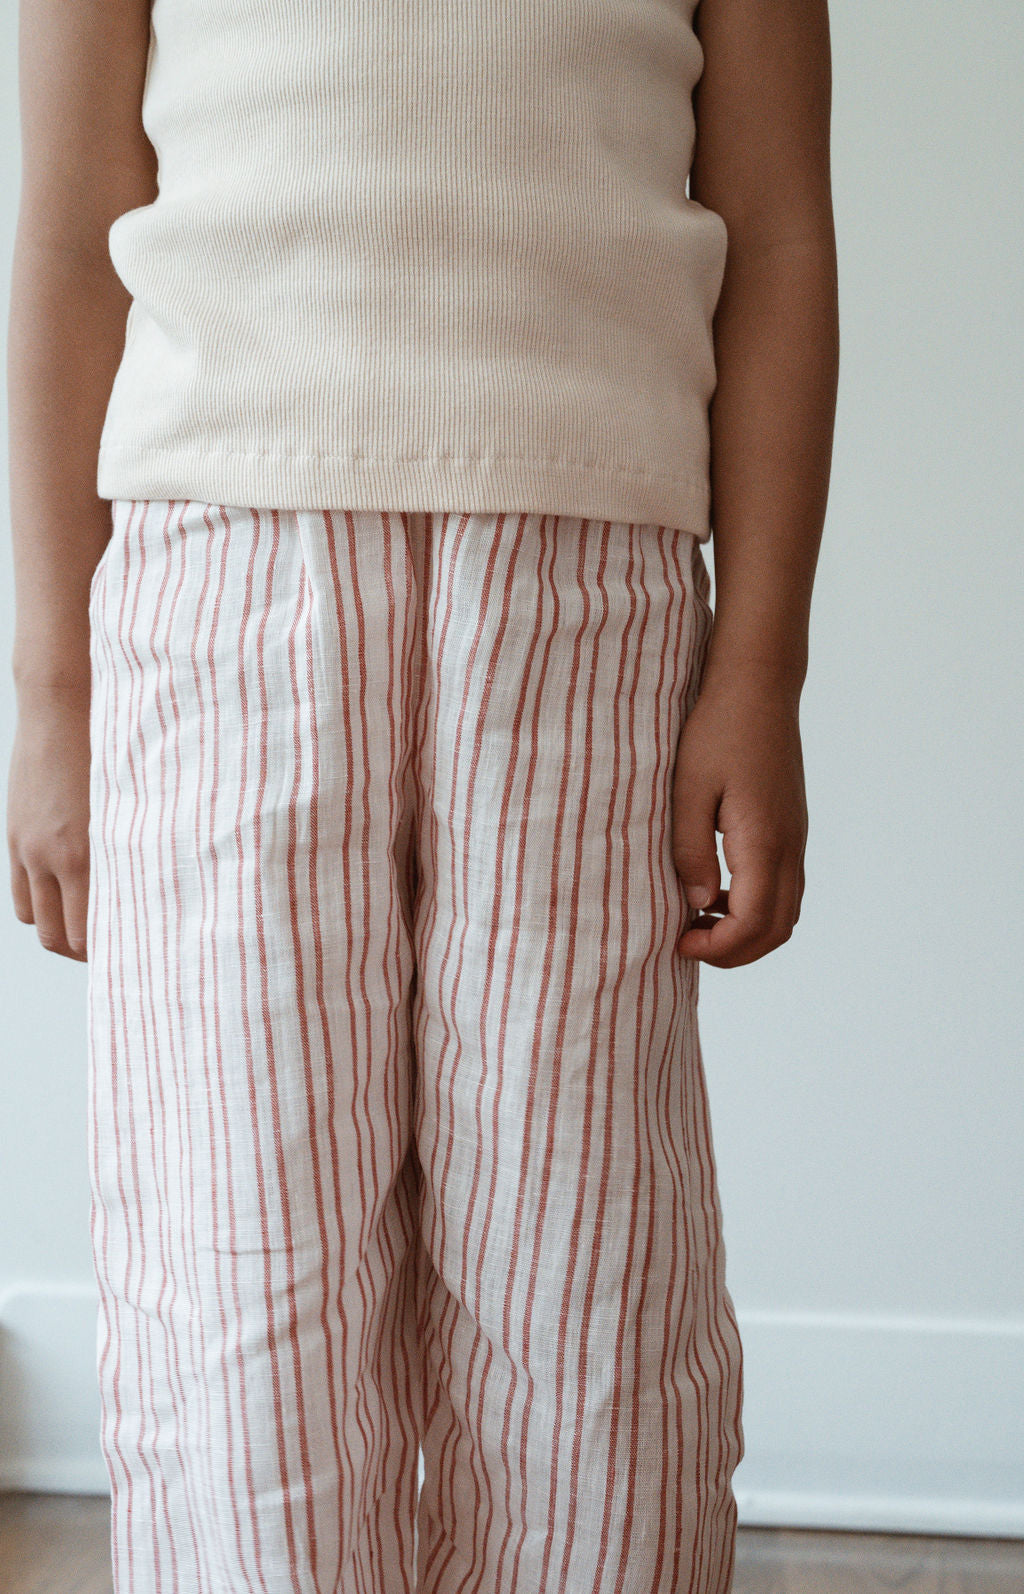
(762, 162)
(85, 160)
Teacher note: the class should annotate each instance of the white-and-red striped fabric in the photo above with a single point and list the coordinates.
(398, 1128)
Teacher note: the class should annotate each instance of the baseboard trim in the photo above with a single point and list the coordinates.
(882, 1422)
(867, 1422)
(973, 1519)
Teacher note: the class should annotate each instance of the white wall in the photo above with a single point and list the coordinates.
(866, 1078)
(49, 1410)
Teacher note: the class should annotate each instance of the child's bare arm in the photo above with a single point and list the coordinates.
(762, 161)
(85, 160)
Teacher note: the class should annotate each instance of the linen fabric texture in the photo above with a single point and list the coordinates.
(399, 1140)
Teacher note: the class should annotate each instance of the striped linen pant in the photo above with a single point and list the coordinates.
(404, 1207)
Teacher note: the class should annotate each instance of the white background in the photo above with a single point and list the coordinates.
(866, 1078)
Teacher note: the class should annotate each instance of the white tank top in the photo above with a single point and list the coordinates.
(420, 254)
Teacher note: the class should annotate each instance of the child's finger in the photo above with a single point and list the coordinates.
(712, 913)
(757, 900)
(74, 887)
(695, 852)
(48, 914)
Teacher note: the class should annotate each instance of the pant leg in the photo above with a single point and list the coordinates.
(582, 1359)
(250, 1089)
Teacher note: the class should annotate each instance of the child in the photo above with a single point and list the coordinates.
(368, 760)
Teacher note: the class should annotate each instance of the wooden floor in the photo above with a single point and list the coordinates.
(59, 1544)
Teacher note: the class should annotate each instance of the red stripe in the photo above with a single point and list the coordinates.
(146, 1383)
(675, 1306)
(310, 725)
(199, 1380)
(158, 650)
(230, 529)
(560, 1032)
(610, 1101)
(370, 1210)
(531, 772)
(465, 845)
(341, 588)
(680, 1153)
(109, 1383)
(402, 641)
(302, 605)
(281, 1420)
(450, 1307)
(538, 1215)
(145, 940)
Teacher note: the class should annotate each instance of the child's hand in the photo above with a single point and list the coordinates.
(48, 818)
(739, 769)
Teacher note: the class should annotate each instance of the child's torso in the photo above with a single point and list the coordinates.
(369, 206)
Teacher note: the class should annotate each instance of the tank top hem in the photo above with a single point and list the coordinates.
(360, 482)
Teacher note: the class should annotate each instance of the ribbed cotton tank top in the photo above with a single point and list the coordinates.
(420, 254)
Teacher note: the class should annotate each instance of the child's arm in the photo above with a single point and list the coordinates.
(85, 160)
(762, 161)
